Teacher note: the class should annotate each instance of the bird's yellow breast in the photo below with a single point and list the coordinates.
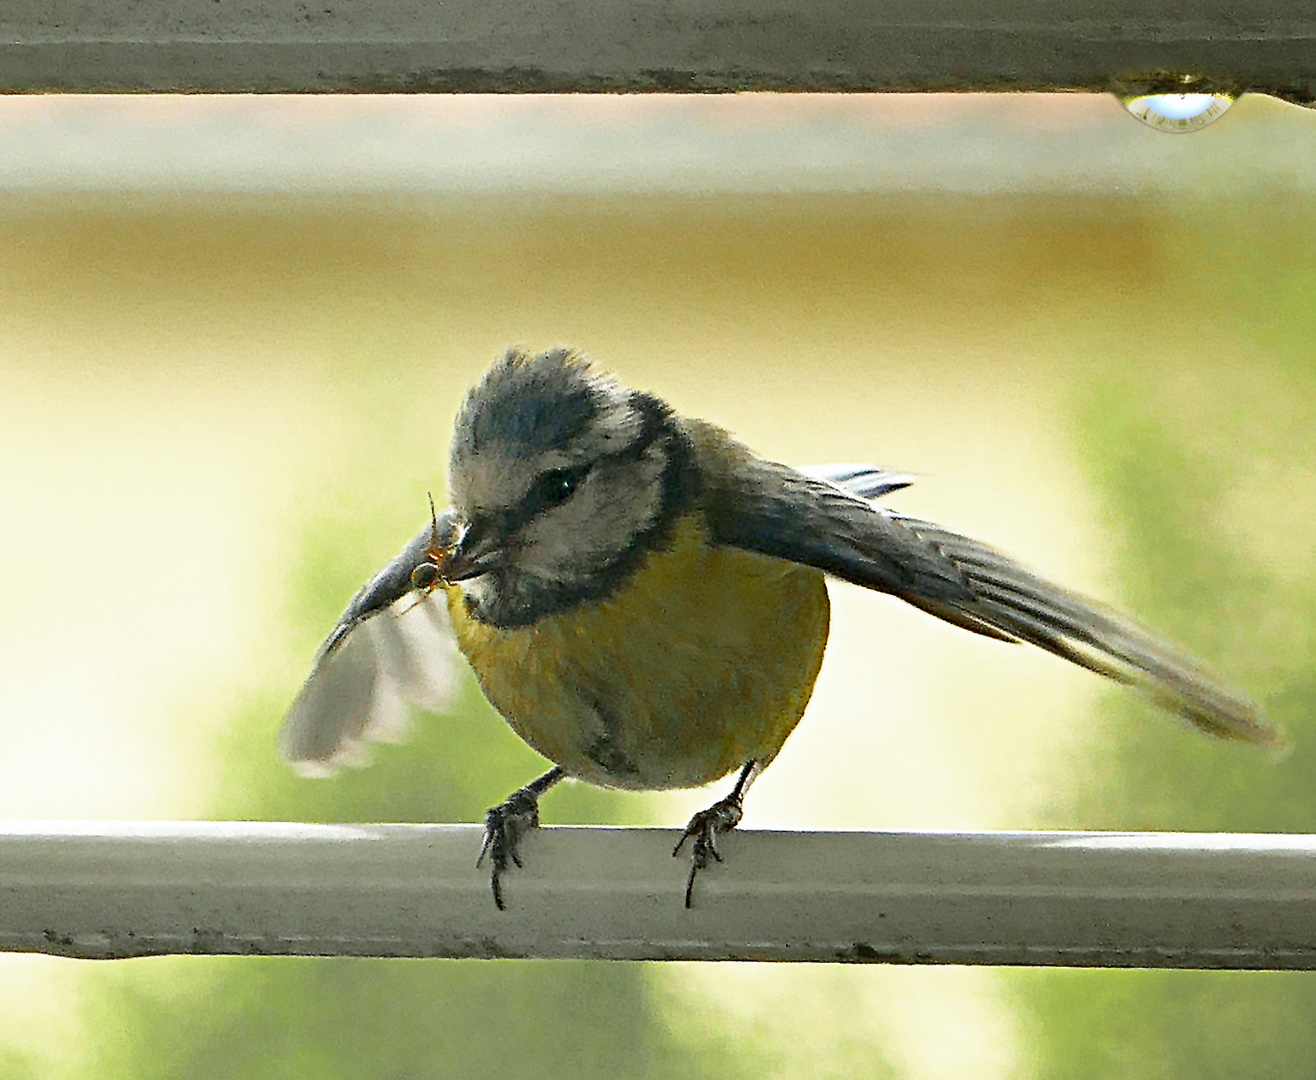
(702, 661)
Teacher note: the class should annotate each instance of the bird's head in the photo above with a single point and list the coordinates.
(560, 480)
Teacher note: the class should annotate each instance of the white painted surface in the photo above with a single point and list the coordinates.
(105, 890)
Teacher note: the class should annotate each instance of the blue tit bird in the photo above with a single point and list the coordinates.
(644, 600)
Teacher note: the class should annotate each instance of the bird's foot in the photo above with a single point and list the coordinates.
(704, 829)
(504, 825)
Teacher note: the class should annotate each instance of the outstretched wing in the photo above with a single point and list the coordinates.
(392, 649)
(821, 516)
(863, 481)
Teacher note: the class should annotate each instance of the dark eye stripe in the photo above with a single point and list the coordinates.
(556, 486)
(553, 488)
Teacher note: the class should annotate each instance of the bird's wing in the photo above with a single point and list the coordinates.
(814, 516)
(393, 648)
(822, 517)
(863, 481)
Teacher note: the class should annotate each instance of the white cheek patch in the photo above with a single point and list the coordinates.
(600, 521)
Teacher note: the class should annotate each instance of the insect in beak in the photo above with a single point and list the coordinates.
(425, 578)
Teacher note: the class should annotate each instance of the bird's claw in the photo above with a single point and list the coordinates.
(704, 829)
(504, 825)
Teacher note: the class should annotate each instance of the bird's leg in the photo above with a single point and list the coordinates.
(506, 823)
(723, 816)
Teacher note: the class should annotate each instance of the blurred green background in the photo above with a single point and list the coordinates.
(223, 404)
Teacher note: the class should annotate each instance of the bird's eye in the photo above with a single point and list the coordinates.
(554, 488)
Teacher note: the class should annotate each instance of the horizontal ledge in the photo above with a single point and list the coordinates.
(670, 45)
(109, 890)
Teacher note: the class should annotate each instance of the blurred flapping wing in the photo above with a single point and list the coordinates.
(393, 649)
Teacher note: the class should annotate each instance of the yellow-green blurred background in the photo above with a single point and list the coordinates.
(233, 333)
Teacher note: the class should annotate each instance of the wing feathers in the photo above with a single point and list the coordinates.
(1008, 598)
(1021, 603)
(393, 648)
(813, 517)
(777, 511)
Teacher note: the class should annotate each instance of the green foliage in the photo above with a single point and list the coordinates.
(1163, 1025)
(386, 1019)
(15, 1065)
(1191, 583)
